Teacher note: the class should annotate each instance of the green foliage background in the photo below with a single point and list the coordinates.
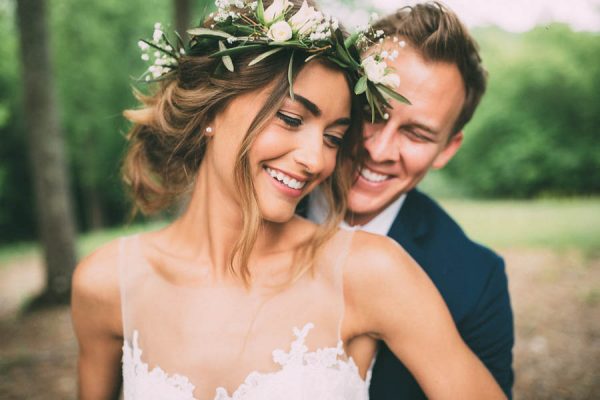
(535, 133)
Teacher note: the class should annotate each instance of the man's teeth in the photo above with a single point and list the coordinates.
(286, 180)
(372, 176)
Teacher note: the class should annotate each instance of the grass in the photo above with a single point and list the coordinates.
(557, 224)
(86, 243)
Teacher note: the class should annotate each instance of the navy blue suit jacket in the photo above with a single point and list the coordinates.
(472, 281)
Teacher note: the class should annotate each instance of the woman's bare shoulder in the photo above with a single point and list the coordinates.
(375, 254)
(96, 277)
(378, 266)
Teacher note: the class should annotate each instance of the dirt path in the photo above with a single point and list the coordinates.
(556, 300)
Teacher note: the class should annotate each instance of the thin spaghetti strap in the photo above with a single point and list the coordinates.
(127, 246)
(342, 248)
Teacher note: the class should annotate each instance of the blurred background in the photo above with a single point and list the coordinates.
(526, 182)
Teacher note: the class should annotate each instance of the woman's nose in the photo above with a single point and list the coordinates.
(310, 153)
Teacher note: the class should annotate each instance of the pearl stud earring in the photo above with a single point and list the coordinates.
(208, 129)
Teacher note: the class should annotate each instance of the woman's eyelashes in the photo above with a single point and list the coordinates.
(290, 121)
(332, 140)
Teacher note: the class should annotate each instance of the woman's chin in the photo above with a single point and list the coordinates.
(278, 216)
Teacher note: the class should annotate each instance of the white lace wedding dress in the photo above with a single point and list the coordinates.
(188, 338)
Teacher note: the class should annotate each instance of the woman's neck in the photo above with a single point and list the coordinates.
(212, 223)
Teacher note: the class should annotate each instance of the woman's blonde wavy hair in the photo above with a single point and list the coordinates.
(167, 143)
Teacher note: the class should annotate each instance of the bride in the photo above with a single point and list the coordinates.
(239, 298)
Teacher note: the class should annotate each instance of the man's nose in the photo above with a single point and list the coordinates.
(382, 143)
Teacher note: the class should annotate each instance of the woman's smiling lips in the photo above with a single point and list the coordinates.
(289, 184)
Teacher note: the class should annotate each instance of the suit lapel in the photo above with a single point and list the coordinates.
(410, 225)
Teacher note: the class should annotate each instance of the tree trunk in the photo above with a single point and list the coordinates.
(94, 211)
(46, 147)
(183, 17)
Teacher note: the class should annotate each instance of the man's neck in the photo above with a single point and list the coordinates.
(380, 222)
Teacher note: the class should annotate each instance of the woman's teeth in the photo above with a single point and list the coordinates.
(372, 176)
(286, 180)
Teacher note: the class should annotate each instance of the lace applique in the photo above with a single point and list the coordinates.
(139, 383)
(321, 374)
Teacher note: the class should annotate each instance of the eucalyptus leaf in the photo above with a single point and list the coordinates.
(260, 12)
(264, 55)
(311, 57)
(236, 50)
(393, 94)
(208, 32)
(289, 43)
(371, 105)
(338, 62)
(291, 75)
(227, 61)
(351, 40)
(161, 49)
(361, 85)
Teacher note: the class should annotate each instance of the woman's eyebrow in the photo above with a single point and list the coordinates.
(343, 121)
(316, 111)
(309, 105)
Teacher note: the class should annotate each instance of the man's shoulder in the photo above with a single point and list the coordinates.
(444, 233)
(463, 270)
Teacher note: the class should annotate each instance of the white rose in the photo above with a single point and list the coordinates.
(391, 80)
(305, 20)
(374, 69)
(275, 10)
(280, 31)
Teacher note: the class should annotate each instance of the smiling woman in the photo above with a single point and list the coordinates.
(238, 298)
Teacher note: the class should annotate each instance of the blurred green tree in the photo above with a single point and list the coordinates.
(536, 131)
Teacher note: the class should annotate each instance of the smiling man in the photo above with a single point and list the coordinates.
(441, 74)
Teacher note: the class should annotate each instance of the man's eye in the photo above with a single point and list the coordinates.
(290, 121)
(418, 136)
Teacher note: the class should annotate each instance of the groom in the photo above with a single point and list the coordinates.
(441, 74)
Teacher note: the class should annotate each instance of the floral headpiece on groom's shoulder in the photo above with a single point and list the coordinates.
(239, 26)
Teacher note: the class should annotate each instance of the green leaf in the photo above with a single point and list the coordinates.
(351, 40)
(227, 61)
(161, 49)
(291, 75)
(208, 32)
(338, 62)
(264, 55)
(361, 85)
(235, 50)
(260, 12)
(289, 43)
(392, 93)
(371, 105)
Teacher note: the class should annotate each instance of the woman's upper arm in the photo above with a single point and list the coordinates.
(96, 314)
(393, 299)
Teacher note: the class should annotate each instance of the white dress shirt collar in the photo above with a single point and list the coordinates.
(380, 225)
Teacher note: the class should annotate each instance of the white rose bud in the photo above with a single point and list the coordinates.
(275, 10)
(305, 19)
(280, 31)
(375, 70)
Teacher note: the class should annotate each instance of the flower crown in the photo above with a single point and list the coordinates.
(239, 26)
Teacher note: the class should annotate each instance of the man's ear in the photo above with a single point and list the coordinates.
(449, 151)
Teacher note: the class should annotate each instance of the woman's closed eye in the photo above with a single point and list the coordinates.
(290, 121)
(333, 140)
